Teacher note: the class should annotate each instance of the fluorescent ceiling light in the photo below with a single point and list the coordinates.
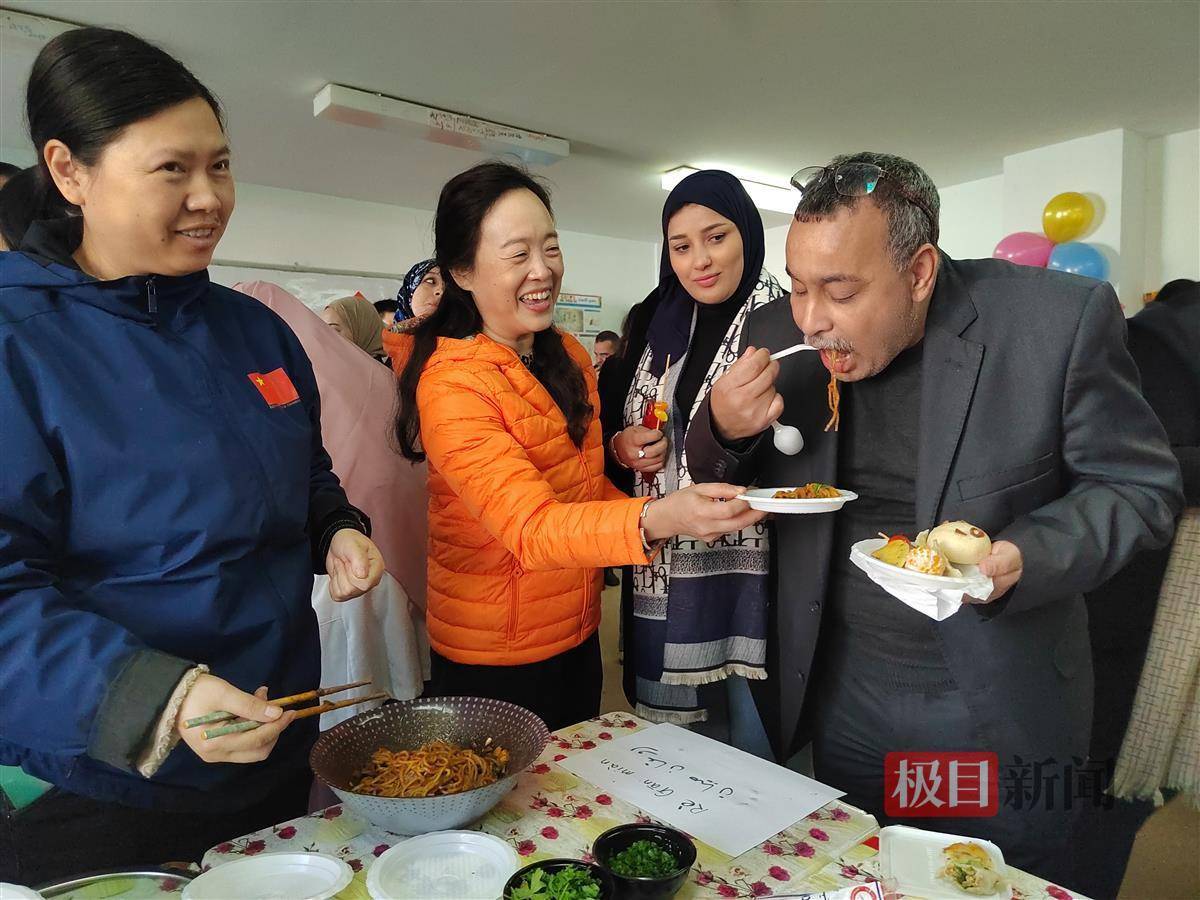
(765, 196)
(355, 107)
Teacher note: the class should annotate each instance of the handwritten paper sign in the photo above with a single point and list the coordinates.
(729, 799)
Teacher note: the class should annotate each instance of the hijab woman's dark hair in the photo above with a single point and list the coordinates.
(86, 86)
(462, 207)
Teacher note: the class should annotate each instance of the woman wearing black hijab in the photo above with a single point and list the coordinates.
(683, 633)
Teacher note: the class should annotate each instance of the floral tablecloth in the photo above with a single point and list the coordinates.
(552, 813)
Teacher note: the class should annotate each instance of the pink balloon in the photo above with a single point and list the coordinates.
(1025, 248)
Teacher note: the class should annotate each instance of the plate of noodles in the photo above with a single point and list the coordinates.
(813, 497)
(431, 764)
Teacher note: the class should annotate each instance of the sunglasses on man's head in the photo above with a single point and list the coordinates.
(858, 180)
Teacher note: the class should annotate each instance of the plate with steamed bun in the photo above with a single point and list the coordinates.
(945, 556)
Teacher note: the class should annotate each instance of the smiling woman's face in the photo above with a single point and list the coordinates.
(518, 269)
(705, 250)
(158, 198)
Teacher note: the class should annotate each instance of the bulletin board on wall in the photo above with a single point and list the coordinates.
(316, 288)
(579, 314)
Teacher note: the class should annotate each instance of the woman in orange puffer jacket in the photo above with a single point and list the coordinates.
(521, 517)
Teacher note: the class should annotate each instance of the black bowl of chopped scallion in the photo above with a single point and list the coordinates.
(560, 879)
(647, 862)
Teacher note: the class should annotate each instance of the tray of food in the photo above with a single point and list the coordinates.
(944, 557)
(940, 866)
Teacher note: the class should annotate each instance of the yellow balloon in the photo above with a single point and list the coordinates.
(1067, 217)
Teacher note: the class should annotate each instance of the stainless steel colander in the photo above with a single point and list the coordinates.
(344, 752)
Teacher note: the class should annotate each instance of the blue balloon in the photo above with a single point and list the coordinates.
(1079, 258)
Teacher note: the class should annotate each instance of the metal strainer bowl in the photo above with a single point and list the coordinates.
(344, 752)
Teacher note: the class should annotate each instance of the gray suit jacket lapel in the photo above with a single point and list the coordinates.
(949, 371)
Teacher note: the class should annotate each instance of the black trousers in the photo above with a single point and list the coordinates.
(858, 718)
(61, 835)
(563, 690)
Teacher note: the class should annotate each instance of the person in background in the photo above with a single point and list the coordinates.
(7, 172)
(606, 344)
(953, 407)
(387, 311)
(614, 380)
(419, 296)
(381, 636)
(612, 383)
(521, 517)
(692, 642)
(1164, 341)
(166, 496)
(355, 319)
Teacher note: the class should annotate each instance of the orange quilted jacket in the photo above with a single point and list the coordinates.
(520, 519)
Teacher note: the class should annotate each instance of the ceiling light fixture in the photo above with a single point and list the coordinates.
(765, 196)
(440, 126)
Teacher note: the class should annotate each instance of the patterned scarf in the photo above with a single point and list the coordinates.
(408, 287)
(700, 610)
(1162, 741)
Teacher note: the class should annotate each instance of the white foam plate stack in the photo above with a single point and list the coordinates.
(444, 865)
(273, 876)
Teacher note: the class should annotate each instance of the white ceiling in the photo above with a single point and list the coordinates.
(642, 87)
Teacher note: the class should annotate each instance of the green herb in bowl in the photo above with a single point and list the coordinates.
(574, 883)
(643, 859)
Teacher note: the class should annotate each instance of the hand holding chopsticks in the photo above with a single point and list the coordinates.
(239, 726)
(253, 723)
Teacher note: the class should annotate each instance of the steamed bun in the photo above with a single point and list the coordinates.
(961, 542)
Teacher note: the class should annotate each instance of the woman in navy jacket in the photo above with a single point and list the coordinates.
(164, 494)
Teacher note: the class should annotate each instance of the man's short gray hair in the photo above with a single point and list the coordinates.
(908, 226)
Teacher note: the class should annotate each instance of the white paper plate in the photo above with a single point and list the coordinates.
(455, 865)
(17, 892)
(913, 857)
(863, 550)
(273, 876)
(763, 499)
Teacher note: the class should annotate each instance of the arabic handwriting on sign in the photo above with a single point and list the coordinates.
(658, 789)
(651, 755)
(691, 806)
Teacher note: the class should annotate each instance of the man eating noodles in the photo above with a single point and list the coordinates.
(969, 390)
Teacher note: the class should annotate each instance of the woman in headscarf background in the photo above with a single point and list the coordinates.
(355, 319)
(686, 635)
(419, 295)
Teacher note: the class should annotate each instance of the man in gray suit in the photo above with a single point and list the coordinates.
(973, 390)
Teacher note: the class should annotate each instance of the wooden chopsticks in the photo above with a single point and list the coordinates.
(241, 725)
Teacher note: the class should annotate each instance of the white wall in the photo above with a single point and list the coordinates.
(622, 272)
(279, 228)
(1172, 208)
(775, 260)
(971, 221)
(18, 156)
